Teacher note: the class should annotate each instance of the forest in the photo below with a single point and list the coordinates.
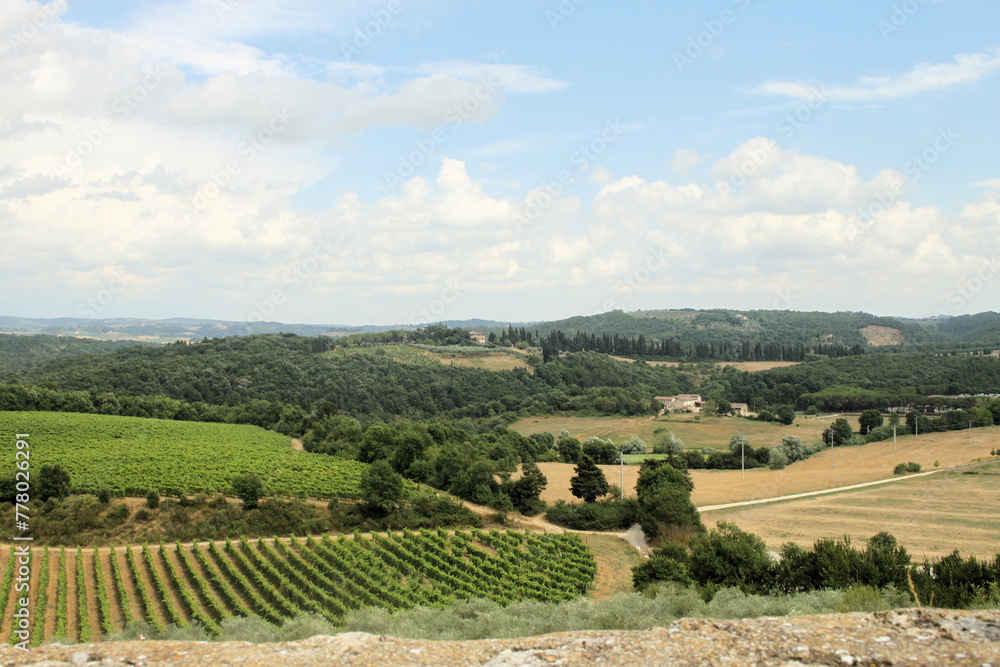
(283, 377)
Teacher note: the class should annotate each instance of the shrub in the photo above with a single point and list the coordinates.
(778, 459)
(569, 449)
(249, 489)
(841, 431)
(104, 496)
(785, 414)
(855, 441)
(727, 556)
(668, 444)
(693, 459)
(794, 450)
(53, 482)
(603, 515)
(305, 626)
(633, 445)
(117, 514)
(869, 421)
(152, 500)
(660, 568)
(247, 629)
(739, 442)
(548, 456)
(906, 468)
(601, 451)
(143, 515)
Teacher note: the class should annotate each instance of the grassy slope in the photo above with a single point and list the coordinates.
(695, 434)
(130, 452)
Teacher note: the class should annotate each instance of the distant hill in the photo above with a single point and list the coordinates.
(691, 327)
(688, 326)
(17, 352)
(168, 331)
(978, 328)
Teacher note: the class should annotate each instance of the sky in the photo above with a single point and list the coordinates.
(405, 161)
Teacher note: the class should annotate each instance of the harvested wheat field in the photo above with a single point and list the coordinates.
(930, 516)
(754, 366)
(852, 465)
(713, 432)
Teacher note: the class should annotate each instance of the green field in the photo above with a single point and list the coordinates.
(130, 455)
(403, 354)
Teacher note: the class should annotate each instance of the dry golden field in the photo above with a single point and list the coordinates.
(751, 366)
(714, 432)
(754, 366)
(852, 465)
(930, 516)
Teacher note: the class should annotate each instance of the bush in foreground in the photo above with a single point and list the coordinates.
(602, 515)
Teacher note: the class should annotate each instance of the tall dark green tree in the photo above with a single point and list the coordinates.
(841, 430)
(381, 487)
(589, 482)
(665, 499)
(248, 488)
(524, 492)
(869, 420)
(53, 482)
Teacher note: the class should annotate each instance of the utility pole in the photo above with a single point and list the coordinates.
(831, 445)
(621, 458)
(743, 465)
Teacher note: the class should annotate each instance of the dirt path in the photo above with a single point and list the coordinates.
(297, 445)
(132, 596)
(92, 610)
(161, 572)
(103, 561)
(633, 535)
(48, 615)
(171, 555)
(225, 557)
(141, 577)
(72, 622)
(200, 571)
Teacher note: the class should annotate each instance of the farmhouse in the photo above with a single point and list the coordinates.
(477, 336)
(740, 409)
(681, 402)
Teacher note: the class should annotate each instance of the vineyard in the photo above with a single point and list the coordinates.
(131, 455)
(81, 595)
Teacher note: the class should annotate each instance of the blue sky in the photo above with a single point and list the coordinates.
(257, 159)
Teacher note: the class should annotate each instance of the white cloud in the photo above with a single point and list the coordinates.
(924, 77)
(511, 78)
(685, 161)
